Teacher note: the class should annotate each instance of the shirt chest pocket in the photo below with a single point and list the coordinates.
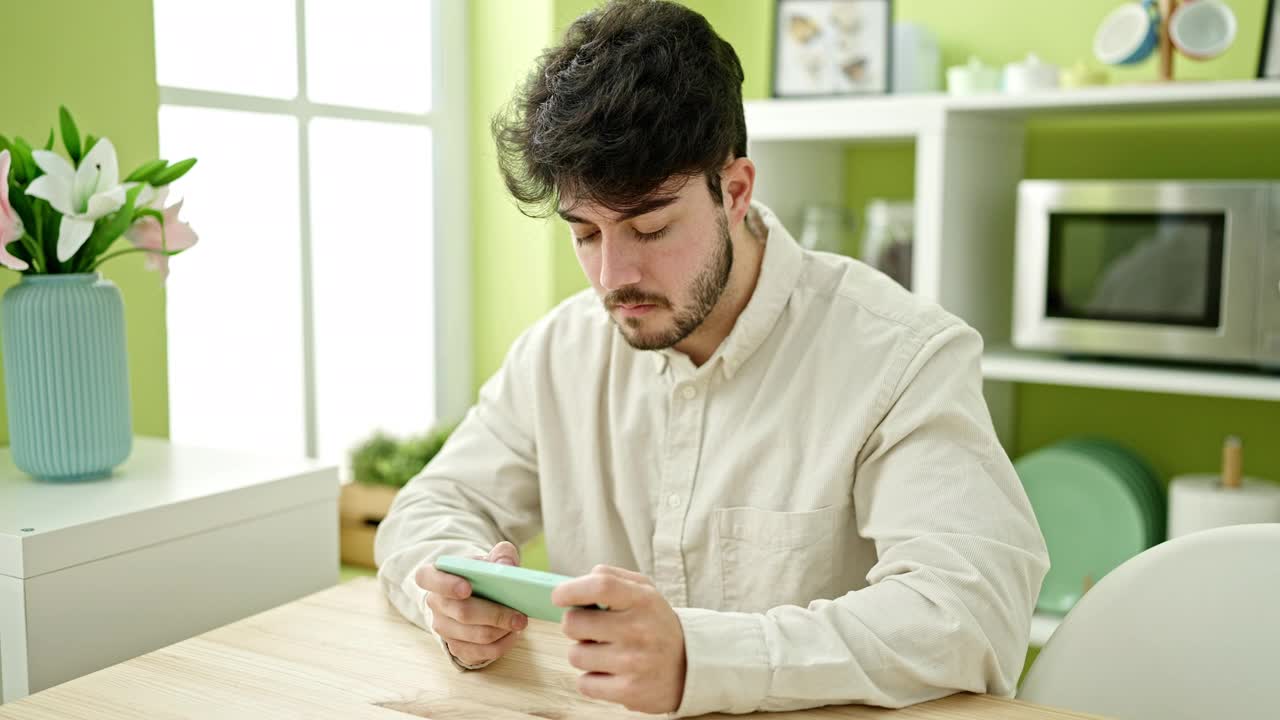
(770, 558)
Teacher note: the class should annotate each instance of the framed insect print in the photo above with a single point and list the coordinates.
(833, 47)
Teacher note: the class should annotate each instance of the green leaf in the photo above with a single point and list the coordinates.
(49, 222)
(70, 135)
(145, 171)
(5, 144)
(89, 142)
(20, 251)
(48, 144)
(23, 161)
(173, 172)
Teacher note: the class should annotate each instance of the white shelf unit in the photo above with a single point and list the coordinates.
(969, 158)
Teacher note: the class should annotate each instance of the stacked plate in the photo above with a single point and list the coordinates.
(1098, 504)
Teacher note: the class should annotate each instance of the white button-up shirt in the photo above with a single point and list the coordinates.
(823, 501)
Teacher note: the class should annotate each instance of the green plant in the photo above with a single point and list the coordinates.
(386, 460)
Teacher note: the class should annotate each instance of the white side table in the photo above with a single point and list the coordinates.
(179, 541)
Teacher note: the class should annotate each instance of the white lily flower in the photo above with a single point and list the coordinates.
(81, 195)
(149, 196)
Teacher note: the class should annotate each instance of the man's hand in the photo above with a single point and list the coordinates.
(631, 654)
(475, 630)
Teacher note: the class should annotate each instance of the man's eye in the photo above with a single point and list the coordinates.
(584, 239)
(649, 237)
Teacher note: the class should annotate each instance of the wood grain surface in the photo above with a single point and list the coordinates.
(346, 654)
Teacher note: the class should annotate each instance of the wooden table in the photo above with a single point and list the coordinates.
(345, 654)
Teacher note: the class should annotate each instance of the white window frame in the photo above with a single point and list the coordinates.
(451, 206)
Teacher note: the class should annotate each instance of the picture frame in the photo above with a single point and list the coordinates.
(832, 48)
(1269, 59)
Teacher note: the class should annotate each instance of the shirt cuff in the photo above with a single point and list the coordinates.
(726, 662)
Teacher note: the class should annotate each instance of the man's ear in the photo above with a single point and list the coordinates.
(737, 182)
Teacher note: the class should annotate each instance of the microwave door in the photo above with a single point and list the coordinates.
(1154, 269)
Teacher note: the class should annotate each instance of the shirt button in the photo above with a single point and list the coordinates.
(673, 500)
(690, 392)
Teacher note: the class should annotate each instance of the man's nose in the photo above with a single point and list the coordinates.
(619, 266)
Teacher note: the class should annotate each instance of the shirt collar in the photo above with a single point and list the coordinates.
(779, 273)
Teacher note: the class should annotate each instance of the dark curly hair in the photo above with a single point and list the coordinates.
(639, 92)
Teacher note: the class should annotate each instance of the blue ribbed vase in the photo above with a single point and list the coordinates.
(67, 376)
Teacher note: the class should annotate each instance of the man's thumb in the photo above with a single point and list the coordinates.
(505, 553)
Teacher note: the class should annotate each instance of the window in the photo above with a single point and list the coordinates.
(330, 202)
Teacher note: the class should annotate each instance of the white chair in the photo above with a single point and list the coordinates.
(1188, 630)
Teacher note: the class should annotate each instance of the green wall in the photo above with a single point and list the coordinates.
(511, 266)
(59, 52)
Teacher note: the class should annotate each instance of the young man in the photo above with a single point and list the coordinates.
(774, 467)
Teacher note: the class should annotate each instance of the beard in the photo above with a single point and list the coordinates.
(706, 290)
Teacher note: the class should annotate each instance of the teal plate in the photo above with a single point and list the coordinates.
(1144, 479)
(1092, 517)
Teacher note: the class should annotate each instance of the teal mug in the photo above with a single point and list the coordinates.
(1129, 34)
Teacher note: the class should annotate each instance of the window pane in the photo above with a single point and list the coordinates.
(237, 46)
(234, 300)
(373, 278)
(370, 54)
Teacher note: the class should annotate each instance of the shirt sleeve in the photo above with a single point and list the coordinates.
(480, 489)
(960, 560)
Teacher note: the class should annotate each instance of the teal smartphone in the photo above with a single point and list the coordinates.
(528, 591)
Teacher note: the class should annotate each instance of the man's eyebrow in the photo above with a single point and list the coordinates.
(647, 206)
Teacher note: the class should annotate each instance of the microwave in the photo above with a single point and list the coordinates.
(1166, 270)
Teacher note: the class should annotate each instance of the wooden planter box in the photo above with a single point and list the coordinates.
(360, 508)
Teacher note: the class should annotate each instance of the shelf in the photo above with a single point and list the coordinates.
(1043, 626)
(1017, 366)
(890, 117)
(882, 117)
(1186, 95)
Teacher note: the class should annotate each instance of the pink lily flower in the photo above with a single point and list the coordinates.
(177, 235)
(10, 224)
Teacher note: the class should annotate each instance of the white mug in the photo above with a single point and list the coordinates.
(1202, 29)
(974, 77)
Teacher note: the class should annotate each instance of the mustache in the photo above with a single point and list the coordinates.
(632, 296)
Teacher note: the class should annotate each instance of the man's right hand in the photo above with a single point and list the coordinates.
(476, 631)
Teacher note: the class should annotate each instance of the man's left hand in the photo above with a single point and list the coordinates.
(633, 653)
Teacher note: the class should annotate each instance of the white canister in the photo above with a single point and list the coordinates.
(972, 77)
(917, 64)
(1030, 75)
(888, 237)
(826, 228)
